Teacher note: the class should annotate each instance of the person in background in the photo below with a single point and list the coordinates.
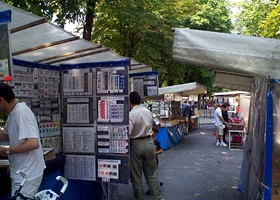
(187, 112)
(220, 125)
(158, 148)
(25, 152)
(237, 109)
(227, 119)
(142, 151)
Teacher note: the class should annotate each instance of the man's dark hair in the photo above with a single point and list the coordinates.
(135, 98)
(6, 92)
(155, 129)
(224, 105)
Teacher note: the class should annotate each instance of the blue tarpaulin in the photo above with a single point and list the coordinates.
(5, 16)
(170, 136)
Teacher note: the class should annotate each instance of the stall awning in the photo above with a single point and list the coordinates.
(185, 89)
(242, 55)
(233, 81)
(37, 40)
(231, 93)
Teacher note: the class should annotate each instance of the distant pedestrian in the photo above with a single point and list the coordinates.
(220, 125)
(227, 119)
(142, 151)
(187, 112)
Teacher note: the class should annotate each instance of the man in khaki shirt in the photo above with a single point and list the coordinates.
(142, 152)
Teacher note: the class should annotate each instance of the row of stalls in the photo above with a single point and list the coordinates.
(166, 105)
(248, 64)
(239, 102)
(79, 92)
(173, 125)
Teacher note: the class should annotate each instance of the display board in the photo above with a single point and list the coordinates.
(38, 86)
(78, 110)
(78, 82)
(111, 81)
(145, 83)
(156, 107)
(5, 51)
(96, 121)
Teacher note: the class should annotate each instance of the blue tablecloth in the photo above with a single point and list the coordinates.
(170, 136)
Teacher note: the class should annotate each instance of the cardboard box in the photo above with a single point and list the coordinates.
(48, 154)
(232, 126)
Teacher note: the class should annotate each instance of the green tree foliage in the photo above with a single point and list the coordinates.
(270, 27)
(258, 18)
(211, 15)
(143, 31)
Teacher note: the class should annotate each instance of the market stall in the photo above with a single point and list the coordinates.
(239, 102)
(173, 125)
(78, 91)
(250, 64)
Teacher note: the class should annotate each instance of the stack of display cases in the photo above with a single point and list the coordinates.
(175, 109)
(156, 107)
(96, 121)
(38, 86)
(164, 109)
(145, 83)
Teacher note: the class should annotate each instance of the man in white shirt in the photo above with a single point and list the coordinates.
(142, 152)
(25, 151)
(220, 125)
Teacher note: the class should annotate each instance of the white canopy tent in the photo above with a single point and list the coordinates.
(184, 89)
(231, 93)
(37, 40)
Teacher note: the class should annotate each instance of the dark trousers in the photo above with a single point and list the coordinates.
(224, 134)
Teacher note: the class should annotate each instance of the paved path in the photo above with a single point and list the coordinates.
(196, 169)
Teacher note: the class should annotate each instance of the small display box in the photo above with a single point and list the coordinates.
(234, 126)
(48, 154)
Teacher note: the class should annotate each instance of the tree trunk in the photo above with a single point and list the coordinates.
(90, 12)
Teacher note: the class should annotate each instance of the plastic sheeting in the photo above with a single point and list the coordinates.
(34, 39)
(273, 179)
(5, 16)
(244, 56)
(170, 136)
(232, 81)
(251, 175)
(228, 52)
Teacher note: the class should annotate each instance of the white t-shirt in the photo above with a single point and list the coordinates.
(21, 124)
(217, 115)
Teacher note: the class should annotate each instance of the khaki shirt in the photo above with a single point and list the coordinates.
(140, 122)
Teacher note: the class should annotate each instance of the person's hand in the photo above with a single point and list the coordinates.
(3, 151)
